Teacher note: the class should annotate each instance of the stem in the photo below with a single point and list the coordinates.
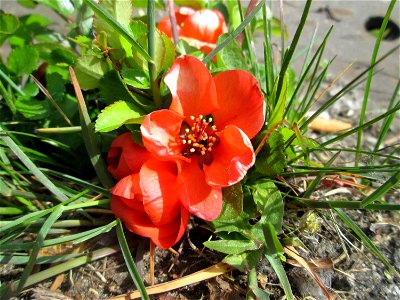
(172, 18)
(151, 42)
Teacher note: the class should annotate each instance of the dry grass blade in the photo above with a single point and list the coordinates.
(50, 97)
(292, 253)
(210, 272)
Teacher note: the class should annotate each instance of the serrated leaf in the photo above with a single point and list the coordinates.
(112, 89)
(23, 60)
(244, 261)
(121, 12)
(135, 76)
(89, 70)
(269, 200)
(8, 23)
(33, 109)
(231, 246)
(116, 115)
(271, 160)
(231, 56)
(164, 48)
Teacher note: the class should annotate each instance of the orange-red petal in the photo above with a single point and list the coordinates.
(125, 156)
(165, 26)
(241, 102)
(232, 158)
(195, 194)
(158, 184)
(137, 221)
(160, 134)
(205, 25)
(192, 87)
(128, 189)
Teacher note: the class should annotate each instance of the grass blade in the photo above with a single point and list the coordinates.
(389, 119)
(344, 204)
(50, 97)
(52, 271)
(38, 245)
(280, 272)
(120, 29)
(350, 132)
(313, 185)
(289, 53)
(32, 167)
(235, 33)
(364, 239)
(130, 262)
(379, 192)
(369, 79)
(350, 85)
(90, 137)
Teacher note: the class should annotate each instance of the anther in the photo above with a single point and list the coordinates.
(192, 118)
(192, 150)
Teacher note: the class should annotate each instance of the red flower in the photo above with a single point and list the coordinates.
(125, 157)
(207, 131)
(145, 198)
(200, 28)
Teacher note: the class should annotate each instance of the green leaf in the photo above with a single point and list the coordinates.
(27, 3)
(33, 109)
(143, 3)
(271, 159)
(109, 22)
(196, 4)
(89, 70)
(232, 204)
(231, 56)
(116, 115)
(244, 261)
(164, 54)
(23, 60)
(269, 200)
(121, 12)
(135, 76)
(112, 88)
(184, 48)
(64, 7)
(231, 246)
(8, 23)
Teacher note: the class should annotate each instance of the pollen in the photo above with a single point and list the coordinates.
(198, 137)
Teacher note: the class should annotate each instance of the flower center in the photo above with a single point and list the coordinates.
(199, 138)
